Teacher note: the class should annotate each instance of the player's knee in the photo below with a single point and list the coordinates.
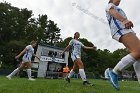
(21, 68)
(136, 54)
(75, 67)
(81, 67)
(74, 70)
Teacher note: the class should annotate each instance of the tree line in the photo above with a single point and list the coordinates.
(18, 27)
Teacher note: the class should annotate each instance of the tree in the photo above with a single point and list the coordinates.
(53, 33)
(12, 22)
(12, 31)
(18, 28)
(64, 42)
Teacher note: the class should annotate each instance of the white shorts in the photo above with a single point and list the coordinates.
(120, 33)
(74, 57)
(24, 60)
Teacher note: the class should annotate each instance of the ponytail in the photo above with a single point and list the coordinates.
(110, 1)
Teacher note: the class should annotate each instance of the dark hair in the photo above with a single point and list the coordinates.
(75, 34)
(110, 1)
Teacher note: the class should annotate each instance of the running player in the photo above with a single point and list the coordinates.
(26, 60)
(76, 57)
(121, 30)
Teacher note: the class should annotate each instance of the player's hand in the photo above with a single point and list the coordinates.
(17, 57)
(128, 24)
(94, 48)
(61, 54)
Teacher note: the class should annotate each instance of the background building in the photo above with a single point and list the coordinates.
(51, 60)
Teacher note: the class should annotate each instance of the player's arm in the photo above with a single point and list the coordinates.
(90, 48)
(66, 49)
(21, 53)
(36, 56)
(128, 24)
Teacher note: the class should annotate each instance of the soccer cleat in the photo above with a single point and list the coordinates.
(86, 83)
(107, 73)
(31, 79)
(67, 79)
(114, 79)
(8, 77)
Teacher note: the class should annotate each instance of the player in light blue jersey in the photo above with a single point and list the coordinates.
(26, 60)
(121, 30)
(117, 27)
(76, 46)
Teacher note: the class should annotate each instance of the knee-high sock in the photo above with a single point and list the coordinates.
(125, 62)
(71, 73)
(137, 69)
(14, 72)
(29, 73)
(82, 74)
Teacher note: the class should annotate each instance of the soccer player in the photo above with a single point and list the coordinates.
(26, 60)
(121, 30)
(76, 57)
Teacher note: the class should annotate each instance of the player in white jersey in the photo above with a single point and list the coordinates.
(121, 30)
(76, 45)
(26, 60)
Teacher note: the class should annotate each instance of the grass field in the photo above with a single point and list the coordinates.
(22, 85)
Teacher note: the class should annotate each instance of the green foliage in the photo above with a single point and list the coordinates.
(64, 43)
(18, 28)
(52, 33)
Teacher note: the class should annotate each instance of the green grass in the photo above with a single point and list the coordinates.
(22, 85)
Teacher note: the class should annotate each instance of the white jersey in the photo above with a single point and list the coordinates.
(76, 47)
(115, 25)
(28, 54)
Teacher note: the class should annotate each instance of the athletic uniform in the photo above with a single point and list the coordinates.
(116, 26)
(26, 58)
(76, 53)
(117, 31)
(76, 49)
(28, 55)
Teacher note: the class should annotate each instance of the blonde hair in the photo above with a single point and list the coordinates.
(33, 42)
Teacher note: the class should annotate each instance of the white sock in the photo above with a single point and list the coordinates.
(125, 62)
(71, 73)
(82, 74)
(29, 73)
(137, 69)
(14, 72)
